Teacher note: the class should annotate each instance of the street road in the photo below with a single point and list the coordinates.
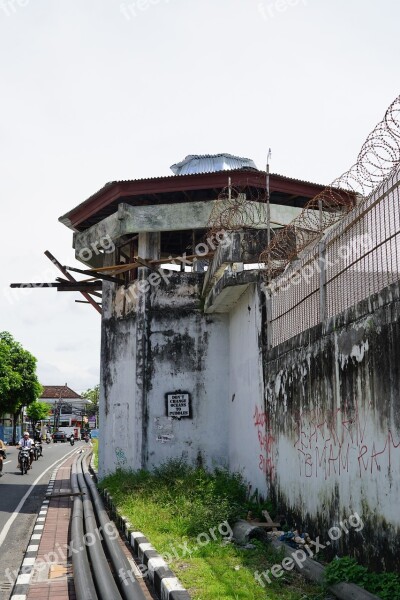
(16, 522)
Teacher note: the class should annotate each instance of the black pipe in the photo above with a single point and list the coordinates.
(131, 589)
(83, 581)
(106, 587)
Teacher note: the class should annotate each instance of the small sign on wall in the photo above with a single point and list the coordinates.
(178, 404)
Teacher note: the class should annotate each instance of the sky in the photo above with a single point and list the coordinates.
(101, 90)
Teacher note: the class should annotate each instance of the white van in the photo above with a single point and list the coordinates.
(75, 431)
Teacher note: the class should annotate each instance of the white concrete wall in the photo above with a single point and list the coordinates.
(332, 397)
(120, 416)
(191, 355)
(182, 350)
(248, 441)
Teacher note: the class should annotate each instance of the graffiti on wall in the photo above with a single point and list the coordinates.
(266, 441)
(332, 445)
(121, 458)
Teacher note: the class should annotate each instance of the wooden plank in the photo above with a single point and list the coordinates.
(78, 287)
(70, 278)
(117, 268)
(269, 521)
(98, 275)
(271, 525)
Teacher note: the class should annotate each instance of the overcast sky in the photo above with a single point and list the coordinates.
(100, 90)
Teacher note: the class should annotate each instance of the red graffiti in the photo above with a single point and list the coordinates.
(266, 442)
(326, 447)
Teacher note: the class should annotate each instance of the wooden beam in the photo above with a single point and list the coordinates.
(78, 287)
(70, 278)
(98, 275)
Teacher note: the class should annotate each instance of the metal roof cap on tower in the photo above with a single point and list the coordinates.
(211, 163)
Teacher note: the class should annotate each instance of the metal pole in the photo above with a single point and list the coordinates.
(268, 204)
(268, 309)
(322, 269)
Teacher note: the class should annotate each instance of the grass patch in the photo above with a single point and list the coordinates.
(187, 514)
(95, 444)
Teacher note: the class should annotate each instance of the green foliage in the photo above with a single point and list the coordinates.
(92, 394)
(195, 497)
(19, 385)
(383, 585)
(256, 504)
(176, 505)
(345, 569)
(38, 411)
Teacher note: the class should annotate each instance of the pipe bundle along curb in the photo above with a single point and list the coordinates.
(166, 585)
(21, 587)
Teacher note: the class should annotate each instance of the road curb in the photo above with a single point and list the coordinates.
(22, 583)
(166, 585)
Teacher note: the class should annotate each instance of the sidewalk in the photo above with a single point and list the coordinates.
(46, 568)
(46, 571)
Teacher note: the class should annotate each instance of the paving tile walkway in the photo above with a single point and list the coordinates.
(52, 577)
(52, 572)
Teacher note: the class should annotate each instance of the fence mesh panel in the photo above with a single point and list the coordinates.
(360, 256)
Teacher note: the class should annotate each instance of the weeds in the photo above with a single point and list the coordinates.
(383, 585)
(178, 503)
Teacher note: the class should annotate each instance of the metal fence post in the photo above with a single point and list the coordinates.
(268, 310)
(322, 280)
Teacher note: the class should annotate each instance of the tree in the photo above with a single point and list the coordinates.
(19, 385)
(92, 394)
(37, 411)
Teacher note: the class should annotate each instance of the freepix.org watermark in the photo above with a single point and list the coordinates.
(65, 551)
(131, 10)
(104, 245)
(298, 557)
(353, 250)
(10, 7)
(179, 551)
(134, 290)
(269, 10)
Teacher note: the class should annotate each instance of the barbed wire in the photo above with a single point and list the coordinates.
(239, 208)
(379, 155)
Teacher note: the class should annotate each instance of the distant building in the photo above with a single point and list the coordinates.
(67, 407)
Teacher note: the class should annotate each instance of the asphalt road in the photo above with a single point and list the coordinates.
(15, 534)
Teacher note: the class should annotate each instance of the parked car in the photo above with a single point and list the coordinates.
(59, 436)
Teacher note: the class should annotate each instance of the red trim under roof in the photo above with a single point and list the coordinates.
(112, 191)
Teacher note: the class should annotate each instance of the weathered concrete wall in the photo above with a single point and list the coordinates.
(188, 352)
(156, 342)
(332, 419)
(244, 420)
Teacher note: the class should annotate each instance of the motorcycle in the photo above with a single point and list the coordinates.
(23, 460)
(72, 440)
(37, 450)
(48, 438)
(3, 456)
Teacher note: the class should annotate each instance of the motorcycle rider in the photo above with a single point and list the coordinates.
(26, 442)
(2, 456)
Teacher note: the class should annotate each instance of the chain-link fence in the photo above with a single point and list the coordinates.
(356, 258)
